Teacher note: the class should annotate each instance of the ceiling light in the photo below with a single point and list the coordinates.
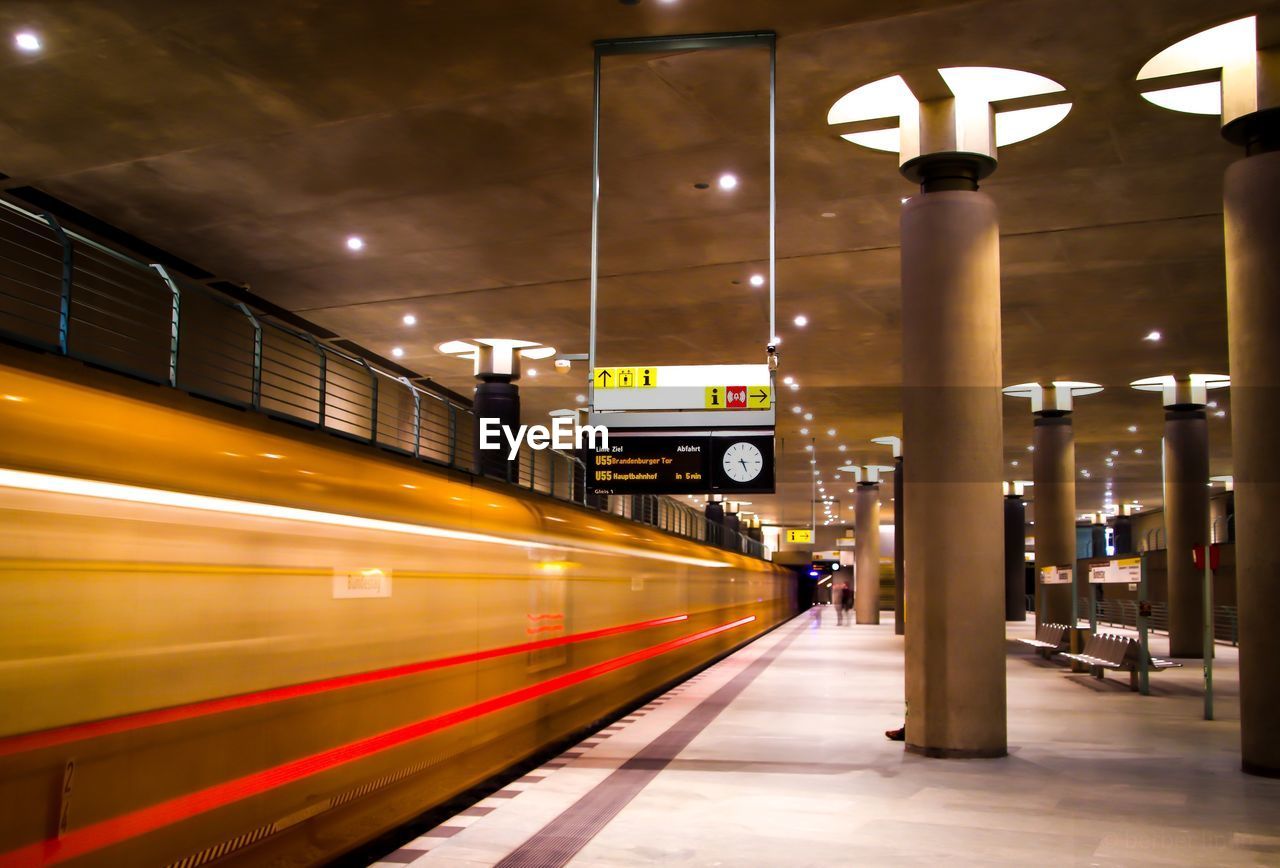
(828, 214)
(398, 352)
(1031, 449)
(1220, 413)
(795, 387)
(1138, 451)
(808, 417)
(1212, 405)
(355, 242)
(831, 432)
(788, 380)
(1115, 451)
(796, 409)
(409, 319)
(727, 181)
(804, 430)
(903, 200)
(841, 447)
(532, 372)
(274, 456)
(1227, 46)
(756, 280)
(1013, 463)
(1133, 429)
(777, 341)
(802, 321)
(813, 461)
(27, 41)
(1152, 336)
(808, 447)
(580, 398)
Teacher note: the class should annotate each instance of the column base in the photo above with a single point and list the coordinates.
(1261, 771)
(957, 752)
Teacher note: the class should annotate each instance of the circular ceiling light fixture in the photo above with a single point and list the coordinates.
(756, 280)
(727, 181)
(355, 243)
(409, 319)
(892, 114)
(27, 41)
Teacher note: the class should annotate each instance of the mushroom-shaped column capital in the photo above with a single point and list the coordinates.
(496, 358)
(1057, 398)
(1183, 390)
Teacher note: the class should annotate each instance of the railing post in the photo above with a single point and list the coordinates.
(417, 416)
(173, 322)
(373, 400)
(452, 434)
(256, 388)
(324, 378)
(68, 273)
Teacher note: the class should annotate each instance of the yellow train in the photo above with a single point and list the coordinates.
(225, 639)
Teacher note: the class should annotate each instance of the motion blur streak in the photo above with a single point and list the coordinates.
(93, 729)
(112, 831)
(28, 481)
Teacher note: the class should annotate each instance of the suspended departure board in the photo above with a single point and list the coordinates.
(689, 462)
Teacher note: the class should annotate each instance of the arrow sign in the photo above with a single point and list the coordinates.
(604, 377)
(758, 398)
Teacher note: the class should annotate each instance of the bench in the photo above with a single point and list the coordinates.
(1106, 651)
(1049, 639)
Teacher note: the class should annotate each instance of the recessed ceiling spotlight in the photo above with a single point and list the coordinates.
(841, 447)
(580, 398)
(398, 352)
(1220, 413)
(808, 447)
(796, 409)
(795, 387)
(1031, 448)
(831, 432)
(727, 181)
(355, 242)
(903, 200)
(532, 372)
(409, 319)
(1115, 451)
(804, 430)
(1152, 336)
(802, 321)
(788, 380)
(777, 340)
(813, 461)
(828, 214)
(808, 417)
(27, 41)
(1133, 429)
(1013, 463)
(1213, 405)
(756, 280)
(1138, 451)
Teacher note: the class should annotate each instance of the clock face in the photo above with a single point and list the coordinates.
(743, 461)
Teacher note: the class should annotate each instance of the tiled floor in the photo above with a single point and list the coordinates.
(796, 771)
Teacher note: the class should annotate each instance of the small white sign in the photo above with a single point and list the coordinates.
(1055, 575)
(356, 584)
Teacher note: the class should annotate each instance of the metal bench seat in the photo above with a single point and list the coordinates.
(1106, 651)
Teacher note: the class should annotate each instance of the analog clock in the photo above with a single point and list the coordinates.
(743, 461)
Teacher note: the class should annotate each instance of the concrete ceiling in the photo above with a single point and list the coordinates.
(455, 137)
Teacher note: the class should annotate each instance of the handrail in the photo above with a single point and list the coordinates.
(146, 322)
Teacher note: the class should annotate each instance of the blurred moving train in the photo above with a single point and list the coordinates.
(224, 639)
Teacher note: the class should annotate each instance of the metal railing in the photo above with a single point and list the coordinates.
(65, 293)
(1124, 613)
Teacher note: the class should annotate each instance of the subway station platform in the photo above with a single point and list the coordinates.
(776, 756)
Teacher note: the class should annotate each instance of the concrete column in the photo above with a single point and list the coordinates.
(1054, 473)
(1015, 560)
(1186, 519)
(899, 577)
(715, 522)
(1252, 189)
(496, 397)
(955, 666)
(866, 523)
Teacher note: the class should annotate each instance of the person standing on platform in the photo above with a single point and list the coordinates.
(846, 604)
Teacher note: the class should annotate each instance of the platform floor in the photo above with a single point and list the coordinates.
(776, 757)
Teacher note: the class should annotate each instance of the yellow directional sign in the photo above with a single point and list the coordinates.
(800, 536)
(715, 399)
(605, 378)
(626, 377)
(758, 398)
(646, 378)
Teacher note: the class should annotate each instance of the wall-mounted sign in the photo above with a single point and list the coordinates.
(683, 462)
(1055, 575)
(1116, 572)
(800, 536)
(357, 584)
